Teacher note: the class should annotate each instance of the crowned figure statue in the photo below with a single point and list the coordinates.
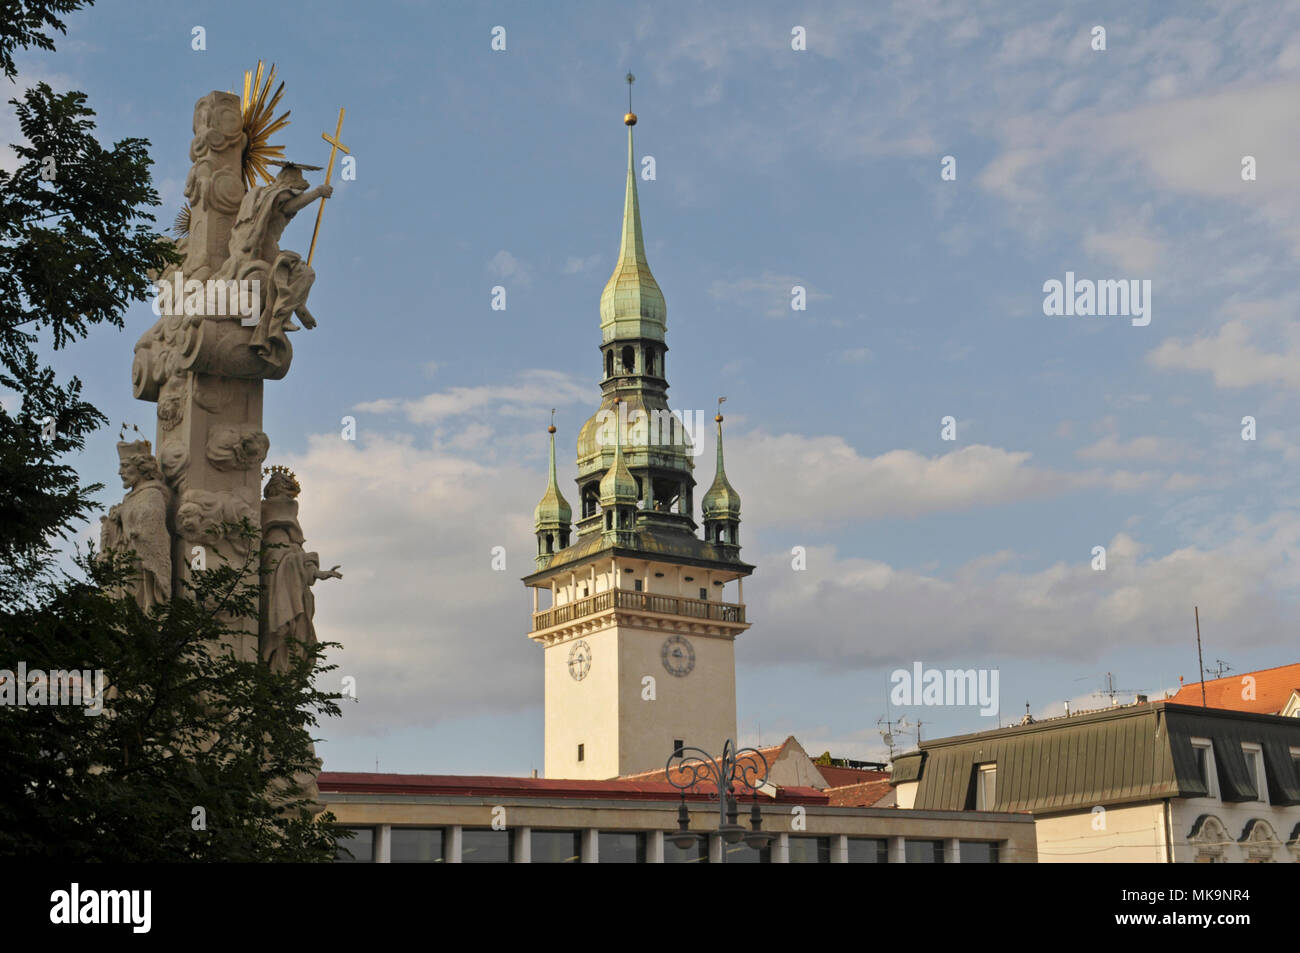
(139, 523)
(288, 573)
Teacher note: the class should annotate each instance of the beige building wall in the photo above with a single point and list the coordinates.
(905, 794)
(583, 712)
(1132, 833)
(1270, 843)
(698, 708)
(624, 723)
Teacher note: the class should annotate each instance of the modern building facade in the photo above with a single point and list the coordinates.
(459, 819)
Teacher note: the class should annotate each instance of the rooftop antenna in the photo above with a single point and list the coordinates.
(1221, 668)
(1112, 691)
(887, 735)
(1200, 659)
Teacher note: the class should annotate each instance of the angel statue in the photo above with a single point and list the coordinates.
(139, 523)
(288, 573)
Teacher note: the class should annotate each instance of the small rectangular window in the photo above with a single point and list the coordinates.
(582, 752)
(637, 584)
(704, 593)
(678, 745)
(1255, 767)
(1203, 751)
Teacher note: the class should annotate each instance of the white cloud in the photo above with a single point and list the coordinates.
(822, 480)
(856, 355)
(507, 267)
(1259, 344)
(531, 393)
(429, 629)
(869, 613)
(1129, 250)
(769, 293)
(1110, 447)
(576, 266)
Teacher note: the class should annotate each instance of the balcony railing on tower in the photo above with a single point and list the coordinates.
(641, 601)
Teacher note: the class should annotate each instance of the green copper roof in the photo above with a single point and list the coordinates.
(1141, 752)
(632, 306)
(553, 508)
(722, 501)
(618, 485)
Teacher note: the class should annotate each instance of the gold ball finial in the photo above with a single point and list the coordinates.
(718, 419)
(551, 429)
(630, 118)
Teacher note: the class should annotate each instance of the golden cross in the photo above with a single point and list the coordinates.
(335, 145)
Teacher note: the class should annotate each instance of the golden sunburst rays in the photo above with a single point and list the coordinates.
(259, 107)
(181, 227)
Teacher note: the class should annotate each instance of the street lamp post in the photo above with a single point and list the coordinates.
(738, 767)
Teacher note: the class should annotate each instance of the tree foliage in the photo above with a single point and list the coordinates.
(185, 725)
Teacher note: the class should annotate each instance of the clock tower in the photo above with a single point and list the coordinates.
(638, 614)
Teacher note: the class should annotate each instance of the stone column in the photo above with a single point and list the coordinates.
(199, 370)
(897, 852)
(522, 846)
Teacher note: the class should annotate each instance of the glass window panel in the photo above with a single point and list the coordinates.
(359, 849)
(923, 851)
(1203, 764)
(556, 847)
(741, 853)
(987, 791)
(810, 850)
(621, 847)
(416, 845)
(868, 850)
(979, 852)
(484, 846)
(697, 853)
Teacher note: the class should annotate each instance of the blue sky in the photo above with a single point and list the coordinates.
(774, 168)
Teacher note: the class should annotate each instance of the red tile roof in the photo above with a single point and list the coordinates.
(457, 785)
(1273, 687)
(770, 753)
(864, 794)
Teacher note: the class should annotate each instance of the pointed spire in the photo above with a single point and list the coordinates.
(722, 502)
(632, 306)
(553, 507)
(618, 485)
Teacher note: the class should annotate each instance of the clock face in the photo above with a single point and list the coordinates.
(678, 656)
(579, 660)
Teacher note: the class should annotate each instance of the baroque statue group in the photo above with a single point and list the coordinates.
(203, 364)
